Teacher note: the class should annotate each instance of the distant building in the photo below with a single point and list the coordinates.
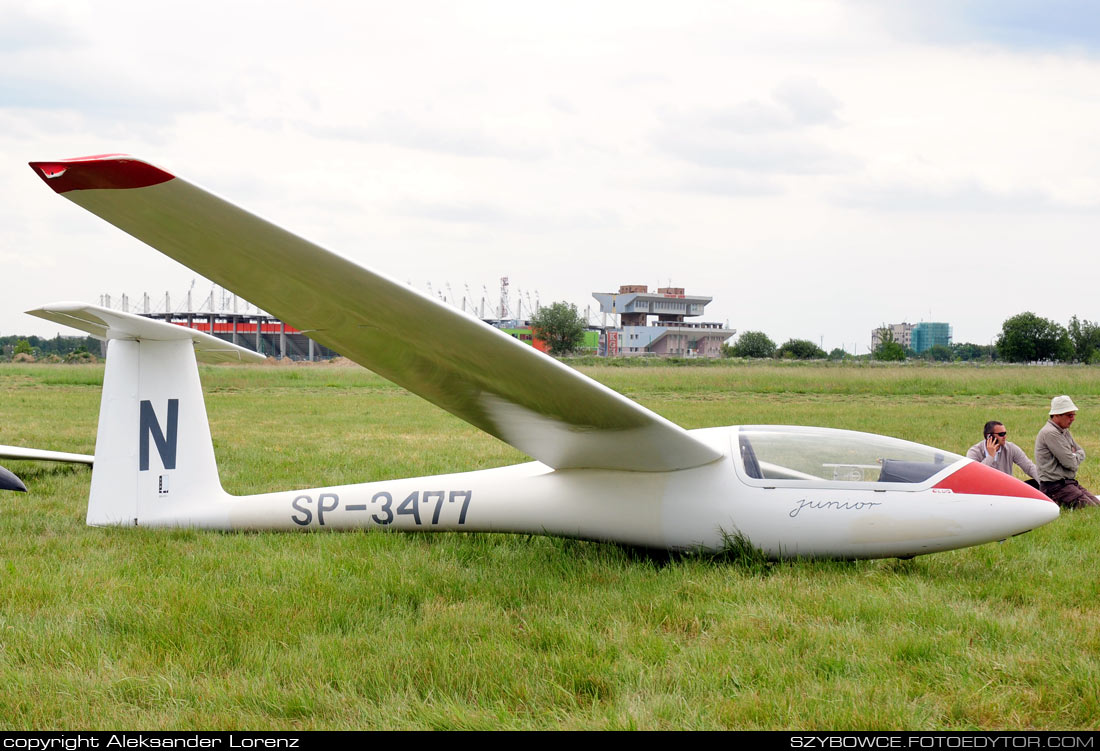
(928, 334)
(915, 336)
(902, 332)
(670, 335)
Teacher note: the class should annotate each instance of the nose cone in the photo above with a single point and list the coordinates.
(1012, 506)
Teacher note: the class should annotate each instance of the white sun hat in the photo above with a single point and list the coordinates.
(1059, 405)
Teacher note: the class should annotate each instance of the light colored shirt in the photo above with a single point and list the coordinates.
(1057, 454)
(1003, 460)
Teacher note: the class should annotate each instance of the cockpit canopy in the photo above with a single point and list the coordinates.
(814, 455)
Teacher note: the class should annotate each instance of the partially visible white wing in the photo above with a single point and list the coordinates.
(40, 455)
(104, 323)
(508, 389)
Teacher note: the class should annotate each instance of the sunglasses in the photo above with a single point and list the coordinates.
(1002, 434)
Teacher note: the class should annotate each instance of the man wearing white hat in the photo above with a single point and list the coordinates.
(1058, 456)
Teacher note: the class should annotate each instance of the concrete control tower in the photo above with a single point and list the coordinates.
(669, 335)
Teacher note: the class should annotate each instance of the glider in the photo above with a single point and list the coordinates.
(605, 467)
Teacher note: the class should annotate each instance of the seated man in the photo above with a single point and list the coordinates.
(1059, 456)
(998, 453)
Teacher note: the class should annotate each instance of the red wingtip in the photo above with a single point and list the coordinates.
(104, 171)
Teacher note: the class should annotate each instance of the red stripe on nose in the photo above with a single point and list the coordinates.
(978, 479)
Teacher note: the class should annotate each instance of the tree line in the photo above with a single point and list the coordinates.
(1029, 338)
(1025, 337)
(36, 347)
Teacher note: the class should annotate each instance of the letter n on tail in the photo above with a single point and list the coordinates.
(150, 426)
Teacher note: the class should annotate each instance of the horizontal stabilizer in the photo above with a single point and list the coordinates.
(104, 323)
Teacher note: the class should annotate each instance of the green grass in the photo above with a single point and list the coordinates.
(107, 628)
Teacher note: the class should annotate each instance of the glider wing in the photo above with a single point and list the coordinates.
(484, 376)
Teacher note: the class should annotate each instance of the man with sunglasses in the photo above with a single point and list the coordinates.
(998, 453)
(1059, 456)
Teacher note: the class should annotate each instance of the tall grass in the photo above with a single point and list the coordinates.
(105, 628)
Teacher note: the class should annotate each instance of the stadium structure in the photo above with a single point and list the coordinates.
(233, 320)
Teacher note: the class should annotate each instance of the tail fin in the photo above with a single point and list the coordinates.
(154, 458)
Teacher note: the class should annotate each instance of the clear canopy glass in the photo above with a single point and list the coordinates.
(781, 452)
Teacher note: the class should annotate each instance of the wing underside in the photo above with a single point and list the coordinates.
(508, 389)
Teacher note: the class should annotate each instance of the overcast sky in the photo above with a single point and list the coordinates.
(816, 167)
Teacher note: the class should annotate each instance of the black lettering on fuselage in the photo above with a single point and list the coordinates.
(307, 515)
(322, 508)
(150, 426)
(838, 505)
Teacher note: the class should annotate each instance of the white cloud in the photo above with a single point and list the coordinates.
(578, 146)
(25, 28)
(726, 184)
(774, 155)
(773, 136)
(399, 129)
(808, 102)
(965, 196)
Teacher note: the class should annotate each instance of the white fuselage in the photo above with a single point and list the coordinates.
(697, 508)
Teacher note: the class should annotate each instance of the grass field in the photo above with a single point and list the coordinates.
(131, 628)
